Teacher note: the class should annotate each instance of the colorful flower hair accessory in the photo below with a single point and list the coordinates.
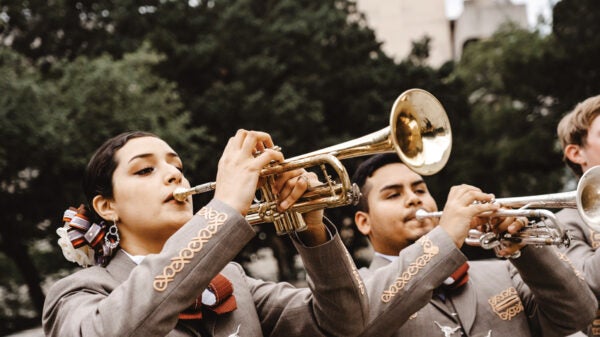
(82, 241)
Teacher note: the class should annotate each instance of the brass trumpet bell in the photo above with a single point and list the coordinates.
(419, 132)
(588, 197)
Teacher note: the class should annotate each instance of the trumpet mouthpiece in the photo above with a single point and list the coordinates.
(180, 193)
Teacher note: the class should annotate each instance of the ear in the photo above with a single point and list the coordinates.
(575, 154)
(104, 207)
(363, 222)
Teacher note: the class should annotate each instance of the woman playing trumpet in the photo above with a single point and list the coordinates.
(161, 270)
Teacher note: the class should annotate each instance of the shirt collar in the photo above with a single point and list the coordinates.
(390, 258)
(135, 258)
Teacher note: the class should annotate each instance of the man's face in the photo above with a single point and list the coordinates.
(395, 193)
(590, 152)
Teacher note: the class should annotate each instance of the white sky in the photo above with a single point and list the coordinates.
(534, 8)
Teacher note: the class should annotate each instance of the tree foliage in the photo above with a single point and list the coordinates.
(50, 125)
(510, 118)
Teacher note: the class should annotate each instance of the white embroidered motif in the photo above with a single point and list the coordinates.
(236, 333)
(446, 330)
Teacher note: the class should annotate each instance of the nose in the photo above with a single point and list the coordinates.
(173, 175)
(412, 199)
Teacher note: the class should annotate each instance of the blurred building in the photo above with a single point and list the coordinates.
(397, 23)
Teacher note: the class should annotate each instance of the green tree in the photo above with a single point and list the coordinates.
(511, 119)
(574, 64)
(50, 30)
(50, 126)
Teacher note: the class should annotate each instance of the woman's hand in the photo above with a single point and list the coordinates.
(290, 186)
(243, 158)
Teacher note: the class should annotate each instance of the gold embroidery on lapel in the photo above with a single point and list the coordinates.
(507, 304)
(577, 272)
(429, 251)
(595, 327)
(594, 239)
(357, 277)
(215, 220)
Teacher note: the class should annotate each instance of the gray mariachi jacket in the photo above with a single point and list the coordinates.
(584, 253)
(144, 300)
(542, 296)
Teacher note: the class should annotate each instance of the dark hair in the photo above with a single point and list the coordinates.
(366, 170)
(97, 179)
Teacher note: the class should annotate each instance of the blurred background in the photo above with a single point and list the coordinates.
(311, 73)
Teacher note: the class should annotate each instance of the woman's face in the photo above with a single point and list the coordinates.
(147, 172)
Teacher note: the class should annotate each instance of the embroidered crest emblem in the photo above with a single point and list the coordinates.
(507, 304)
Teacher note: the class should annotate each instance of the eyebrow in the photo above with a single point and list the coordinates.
(146, 155)
(396, 186)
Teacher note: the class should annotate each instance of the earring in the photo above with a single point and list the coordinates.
(112, 238)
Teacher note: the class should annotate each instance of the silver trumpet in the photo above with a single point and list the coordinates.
(419, 132)
(548, 231)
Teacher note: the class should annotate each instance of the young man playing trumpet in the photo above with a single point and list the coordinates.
(420, 283)
(579, 134)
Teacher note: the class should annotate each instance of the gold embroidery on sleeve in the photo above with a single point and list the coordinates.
(215, 220)
(429, 251)
(577, 272)
(357, 277)
(507, 304)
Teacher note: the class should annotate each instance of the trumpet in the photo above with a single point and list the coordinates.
(550, 232)
(419, 132)
(586, 198)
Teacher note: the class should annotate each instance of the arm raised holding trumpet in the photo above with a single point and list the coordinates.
(421, 284)
(471, 216)
(520, 228)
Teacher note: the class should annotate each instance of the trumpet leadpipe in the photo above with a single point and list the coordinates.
(181, 193)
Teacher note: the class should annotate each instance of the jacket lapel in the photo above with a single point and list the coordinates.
(465, 303)
(120, 266)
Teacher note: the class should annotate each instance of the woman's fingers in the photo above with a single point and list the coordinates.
(294, 187)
